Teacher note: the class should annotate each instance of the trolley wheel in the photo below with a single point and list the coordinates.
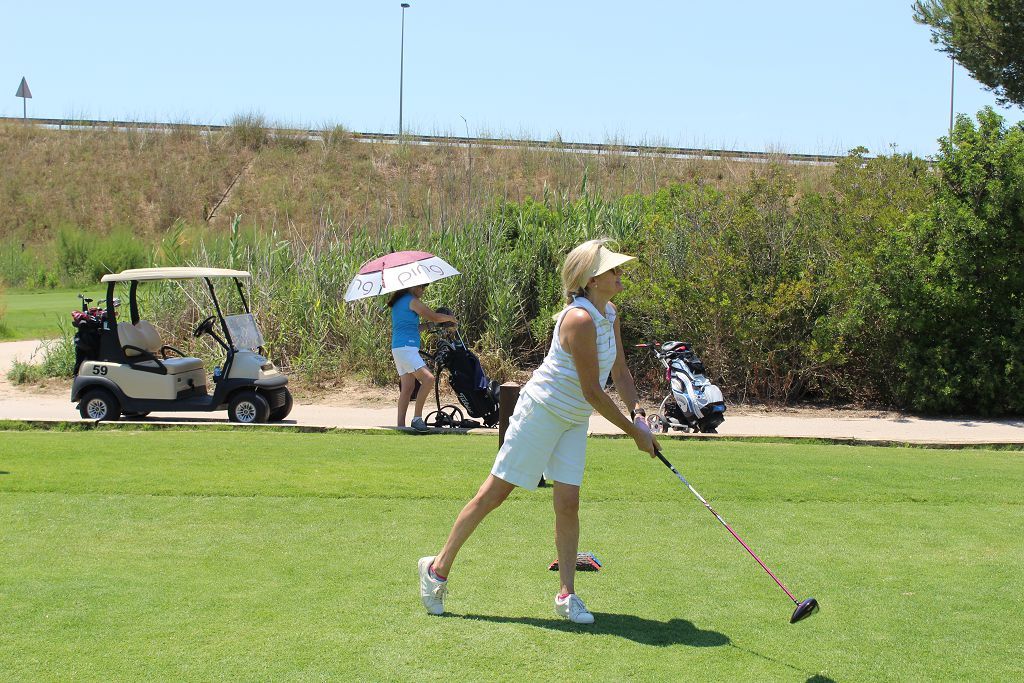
(657, 423)
(447, 416)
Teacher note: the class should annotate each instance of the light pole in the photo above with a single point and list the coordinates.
(401, 70)
(952, 74)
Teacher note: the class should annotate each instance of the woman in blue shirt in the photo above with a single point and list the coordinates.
(406, 310)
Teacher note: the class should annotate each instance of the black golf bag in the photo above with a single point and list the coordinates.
(477, 394)
(88, 324)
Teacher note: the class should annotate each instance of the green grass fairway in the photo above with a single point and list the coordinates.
(35, 314)
(254, 555)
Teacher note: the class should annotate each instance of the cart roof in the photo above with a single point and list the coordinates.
(172, 274)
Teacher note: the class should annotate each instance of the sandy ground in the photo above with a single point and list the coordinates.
(355, 405)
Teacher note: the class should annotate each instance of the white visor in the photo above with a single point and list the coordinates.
(606, 260)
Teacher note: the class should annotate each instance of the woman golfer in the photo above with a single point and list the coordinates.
(406, 311)
(547, 433)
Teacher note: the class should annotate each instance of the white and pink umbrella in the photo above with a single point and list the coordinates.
(400, 270)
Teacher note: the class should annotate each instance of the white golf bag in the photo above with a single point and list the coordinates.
(695, 404)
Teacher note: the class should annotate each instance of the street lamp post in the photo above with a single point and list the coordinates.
(952, 74)
(401, 70)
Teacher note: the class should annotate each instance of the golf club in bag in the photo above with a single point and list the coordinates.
(803, 609)
(90, 325)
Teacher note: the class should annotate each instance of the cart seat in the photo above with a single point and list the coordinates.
(176, 365)
(144, 336)
(141, 335)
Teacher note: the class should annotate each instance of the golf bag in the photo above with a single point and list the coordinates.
(695, 404)
(477, 394)
(88, 324)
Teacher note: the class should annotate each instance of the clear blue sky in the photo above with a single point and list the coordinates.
(798, 76)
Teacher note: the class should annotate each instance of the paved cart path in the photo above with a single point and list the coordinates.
(53, 403)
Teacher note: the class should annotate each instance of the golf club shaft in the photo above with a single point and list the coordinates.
(719, 518)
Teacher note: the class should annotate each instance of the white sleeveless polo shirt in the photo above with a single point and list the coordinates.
(556, 384)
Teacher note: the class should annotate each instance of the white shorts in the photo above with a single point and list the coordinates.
(539, 442)
(407, 359)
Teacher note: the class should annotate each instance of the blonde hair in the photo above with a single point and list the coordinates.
(578, 266)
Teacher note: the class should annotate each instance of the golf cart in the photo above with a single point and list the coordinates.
(127, 370)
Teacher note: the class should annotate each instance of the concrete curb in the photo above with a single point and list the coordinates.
(141, 425)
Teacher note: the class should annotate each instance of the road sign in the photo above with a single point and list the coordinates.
(25, 94)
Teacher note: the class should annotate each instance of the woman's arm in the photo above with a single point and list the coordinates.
(621, 375)
(578, 334)
(427, 313)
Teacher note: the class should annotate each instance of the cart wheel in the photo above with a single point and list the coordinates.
(278, 414)
(248, 407)
(657, 423)
(99, 404)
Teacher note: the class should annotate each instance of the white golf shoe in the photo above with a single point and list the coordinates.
(432, 591)
(573, 609)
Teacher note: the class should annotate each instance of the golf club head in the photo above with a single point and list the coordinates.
(804, 610)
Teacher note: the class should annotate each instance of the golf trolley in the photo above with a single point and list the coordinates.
(477, 394)
(694, 404)
(122, 368)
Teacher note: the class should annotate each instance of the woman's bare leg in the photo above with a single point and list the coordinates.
(567, 533)
(492, 493)
(408, 383)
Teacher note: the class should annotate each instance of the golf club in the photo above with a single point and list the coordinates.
(803, 609)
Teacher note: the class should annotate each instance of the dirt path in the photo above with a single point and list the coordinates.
(356, 405)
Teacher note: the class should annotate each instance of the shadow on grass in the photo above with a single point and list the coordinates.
(815, 678)
(638, 629)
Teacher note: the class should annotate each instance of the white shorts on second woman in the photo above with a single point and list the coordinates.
(538, 442)
(407, 359)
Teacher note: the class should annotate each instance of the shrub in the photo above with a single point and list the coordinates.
(72, 254)
(56, 359)
(58, 355)
(954, 281)
(249, 131)
(118, 251)
(83, 258)
(19, 263)
(22, 372)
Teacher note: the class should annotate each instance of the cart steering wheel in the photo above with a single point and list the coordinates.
(205, 327)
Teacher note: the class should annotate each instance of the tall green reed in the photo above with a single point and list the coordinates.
(507, 292)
